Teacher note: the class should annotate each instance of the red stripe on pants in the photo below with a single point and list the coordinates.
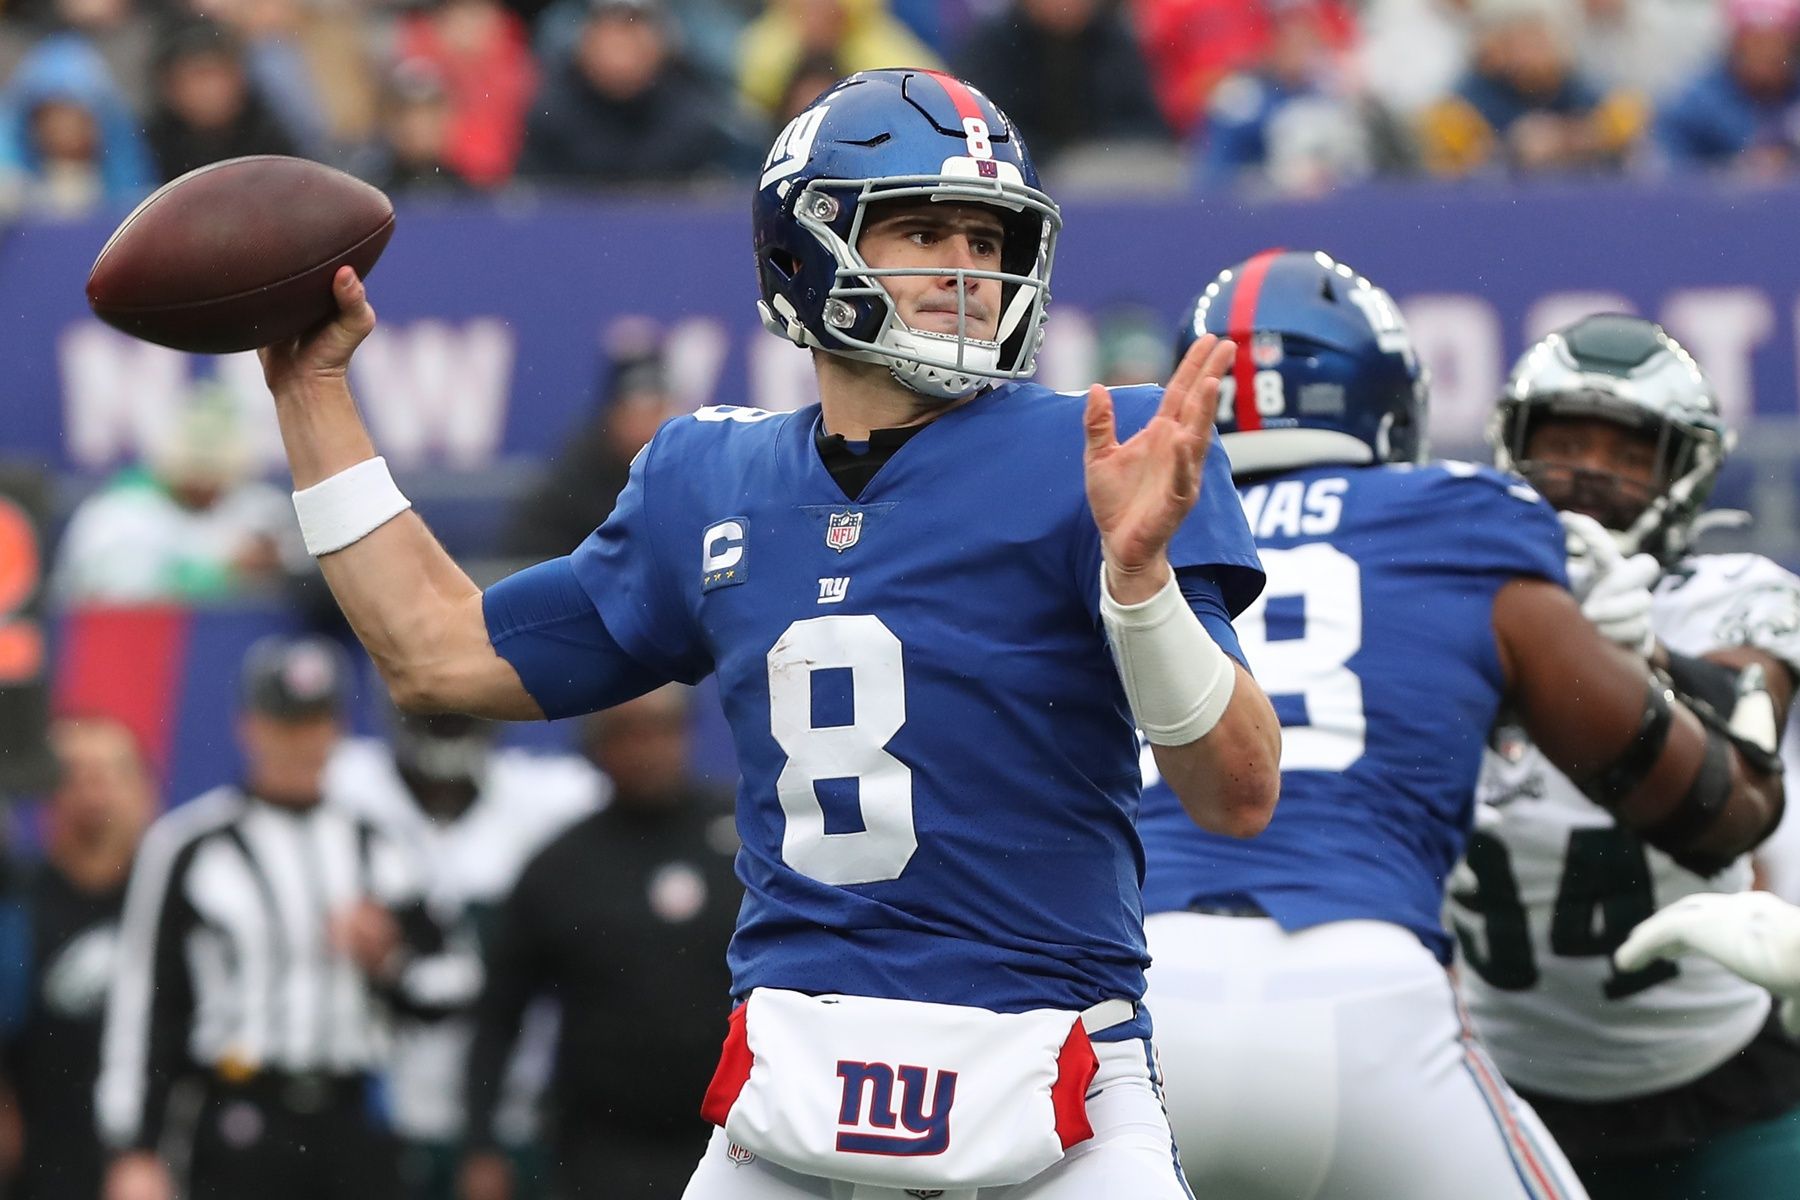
(735, 1061)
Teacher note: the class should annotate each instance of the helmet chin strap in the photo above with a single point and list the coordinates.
(1015, 312)
(940, 366)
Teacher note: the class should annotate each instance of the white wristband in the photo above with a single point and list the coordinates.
(348, 506)
(1177, 680)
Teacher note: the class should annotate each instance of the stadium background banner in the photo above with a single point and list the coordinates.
(494, 315)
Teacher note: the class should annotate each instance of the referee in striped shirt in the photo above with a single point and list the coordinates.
(265, 938)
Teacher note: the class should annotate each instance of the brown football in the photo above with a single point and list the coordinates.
(238, 254)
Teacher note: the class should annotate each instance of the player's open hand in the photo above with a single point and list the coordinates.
(323, 352)
(1141, 490)
(1614, 591)
(1752, 934)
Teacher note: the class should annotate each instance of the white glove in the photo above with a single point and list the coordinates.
(1752, 934)
(1614, 591)
(1578, 531)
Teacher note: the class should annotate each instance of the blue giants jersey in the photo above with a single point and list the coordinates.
(1375, 643)
(939, 773)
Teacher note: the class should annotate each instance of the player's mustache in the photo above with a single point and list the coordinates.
(973, 309)
(1614, 502)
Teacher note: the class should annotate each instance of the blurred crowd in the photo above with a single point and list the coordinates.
(100, 100)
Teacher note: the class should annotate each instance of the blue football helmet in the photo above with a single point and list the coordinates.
(891, 135)
(1325, 370)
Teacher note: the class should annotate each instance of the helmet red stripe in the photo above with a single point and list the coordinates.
(1241, 324)
(960, 95)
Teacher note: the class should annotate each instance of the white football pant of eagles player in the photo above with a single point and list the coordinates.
(1313, 1041)
(1645, 1073)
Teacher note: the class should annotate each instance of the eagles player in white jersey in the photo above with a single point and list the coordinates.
(1673, 1081)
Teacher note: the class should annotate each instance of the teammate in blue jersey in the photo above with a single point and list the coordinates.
(1310, 1031)
(936, 603)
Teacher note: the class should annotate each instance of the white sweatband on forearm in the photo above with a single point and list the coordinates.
(1177, 680)
(348, 506)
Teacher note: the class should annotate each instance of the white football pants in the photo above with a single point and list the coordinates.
(1130, 1156)
(1333, 1064)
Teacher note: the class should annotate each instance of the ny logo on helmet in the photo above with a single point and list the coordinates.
(794, 147)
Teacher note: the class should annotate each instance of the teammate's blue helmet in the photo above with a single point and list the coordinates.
(892, 135)
(1325, 370)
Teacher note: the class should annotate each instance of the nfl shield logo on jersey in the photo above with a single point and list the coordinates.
(842, 530)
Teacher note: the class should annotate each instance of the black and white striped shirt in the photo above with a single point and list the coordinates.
(225, 958)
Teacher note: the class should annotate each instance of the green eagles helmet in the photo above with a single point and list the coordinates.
(1627, 370)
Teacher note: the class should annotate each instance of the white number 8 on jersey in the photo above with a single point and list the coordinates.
(1314, 664)
(869, 650)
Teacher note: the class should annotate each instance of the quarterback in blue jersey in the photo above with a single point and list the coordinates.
(1305, 1017)
(936, 604)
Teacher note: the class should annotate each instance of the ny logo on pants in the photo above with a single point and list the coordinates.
(930, 1130)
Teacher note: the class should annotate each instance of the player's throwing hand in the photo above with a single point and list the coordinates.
(325, 350)
(1142, 489)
